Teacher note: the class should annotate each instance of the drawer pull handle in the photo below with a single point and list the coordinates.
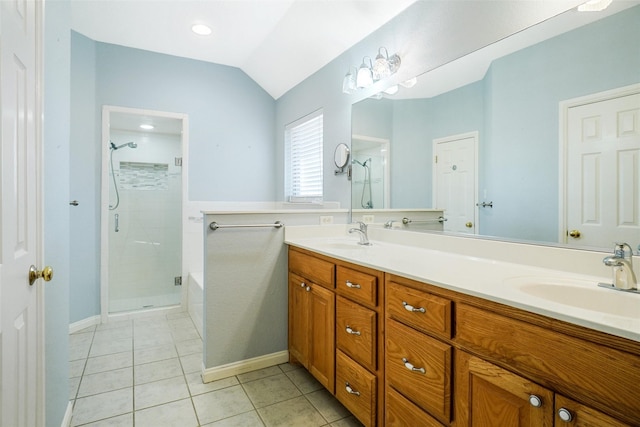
(565, 415)
(352, 331)
(352, 285)
(347, 387)
(412, 368)
(412, 309)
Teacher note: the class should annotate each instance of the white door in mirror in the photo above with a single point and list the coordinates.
(603, 160)
(455, 181)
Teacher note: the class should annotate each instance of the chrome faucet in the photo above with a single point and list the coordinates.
(364, 239)
(623, 276)
(389, 224)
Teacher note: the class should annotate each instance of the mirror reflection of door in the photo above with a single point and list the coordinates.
(455, 181)
(603, 162)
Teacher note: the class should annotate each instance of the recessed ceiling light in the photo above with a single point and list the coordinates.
(201, 29)
(146, 127)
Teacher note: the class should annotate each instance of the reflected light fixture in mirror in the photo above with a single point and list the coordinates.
(365, 74)
(146, 127)
(594, 6)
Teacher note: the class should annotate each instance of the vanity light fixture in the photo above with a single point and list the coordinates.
(365, 74)
(349, 82)
(146, 127)
(201, 29)
(383, 67)
(594, 6)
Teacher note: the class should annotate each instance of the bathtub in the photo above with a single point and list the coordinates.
(195, 299)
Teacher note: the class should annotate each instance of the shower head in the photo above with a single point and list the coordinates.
(364, 165)
(127, 144)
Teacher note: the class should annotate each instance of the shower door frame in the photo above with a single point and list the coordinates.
(105, 183)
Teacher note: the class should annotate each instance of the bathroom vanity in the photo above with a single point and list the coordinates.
(401, 350)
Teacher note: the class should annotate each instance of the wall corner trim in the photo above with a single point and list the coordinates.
(84, 323)
(244, 366)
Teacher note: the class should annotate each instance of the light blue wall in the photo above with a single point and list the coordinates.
(85, 182)
(231, 133)
(56, 208)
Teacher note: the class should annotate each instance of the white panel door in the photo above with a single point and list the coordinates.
(455, 181)
(603, 169)
(21, 244)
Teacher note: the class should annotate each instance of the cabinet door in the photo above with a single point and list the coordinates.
(322, 311)
(298, 320)
(498, 397)
(574, 414)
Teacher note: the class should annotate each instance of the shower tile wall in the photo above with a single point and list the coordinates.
(145, 254)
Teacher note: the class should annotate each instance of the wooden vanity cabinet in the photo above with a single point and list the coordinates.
(399, 352)
(312, 316)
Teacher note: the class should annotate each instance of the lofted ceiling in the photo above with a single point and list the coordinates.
(278, 43)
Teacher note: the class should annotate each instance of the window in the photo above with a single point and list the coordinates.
(303, 159)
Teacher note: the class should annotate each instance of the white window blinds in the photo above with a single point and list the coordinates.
(303, 159)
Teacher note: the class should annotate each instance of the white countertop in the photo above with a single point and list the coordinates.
(567, 296)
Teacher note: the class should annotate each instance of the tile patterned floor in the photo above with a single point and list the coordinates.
(146, 372)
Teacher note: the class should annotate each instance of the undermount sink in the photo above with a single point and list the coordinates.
(581, 294)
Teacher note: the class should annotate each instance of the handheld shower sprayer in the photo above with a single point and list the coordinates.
(126, 144)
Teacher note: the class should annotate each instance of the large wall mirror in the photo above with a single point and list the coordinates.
(538, 136)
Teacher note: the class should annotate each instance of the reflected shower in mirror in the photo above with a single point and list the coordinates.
(545, 165)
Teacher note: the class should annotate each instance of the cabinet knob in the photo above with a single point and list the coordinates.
(412, 308)
(535, 401)
(350, 390)
(352, 285)
(352, 331)
(308, 289)
(302, 285)
(565, 415)
(412, 368)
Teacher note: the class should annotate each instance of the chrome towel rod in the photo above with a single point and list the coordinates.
(441, 219)
(214, 225)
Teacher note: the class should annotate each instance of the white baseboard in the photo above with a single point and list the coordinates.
(84, 323)
(66, 421)
(244, 366)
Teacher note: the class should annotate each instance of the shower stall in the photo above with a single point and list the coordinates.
(370, 173)
(142, 254)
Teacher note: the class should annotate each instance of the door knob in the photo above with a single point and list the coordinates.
(469, 224)
(574, 233)
(35, 274)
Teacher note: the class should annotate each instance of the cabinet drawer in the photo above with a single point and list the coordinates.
(356, 332)
(400, 412)
(419, 367)
(312, 268)
(358, 286)
(421, 310)
(356, 389)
